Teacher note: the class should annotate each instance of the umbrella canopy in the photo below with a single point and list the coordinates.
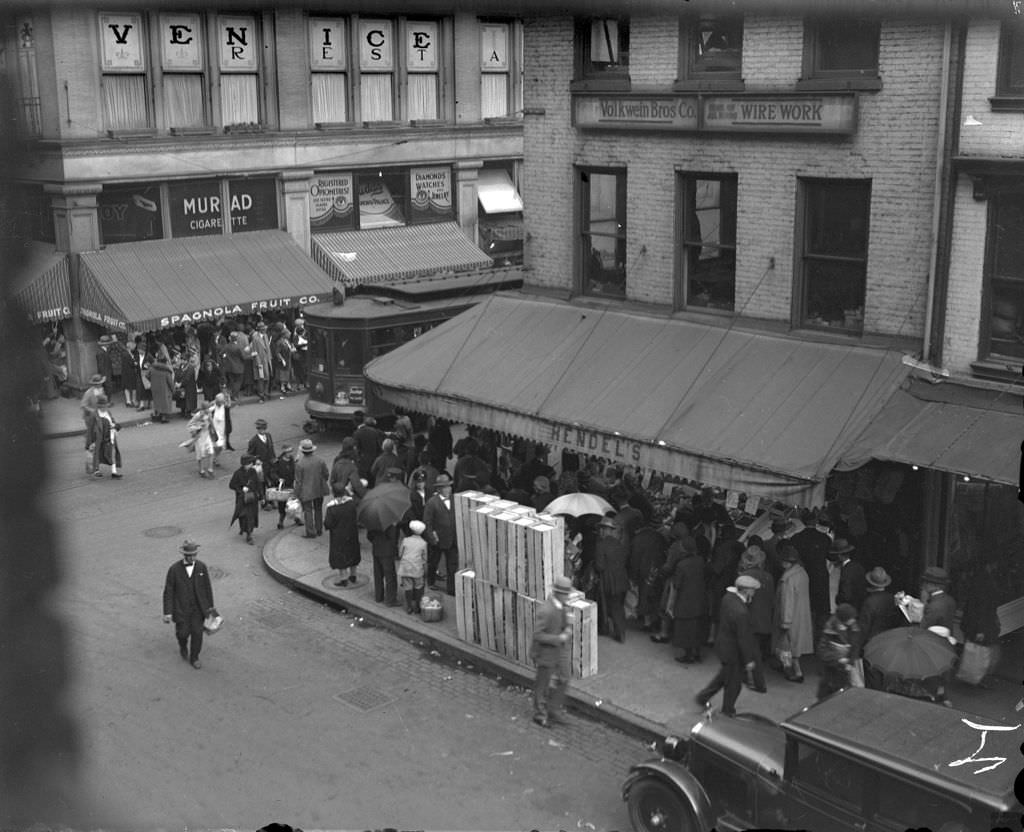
(383, 505)
(577, 504)
(910, 653)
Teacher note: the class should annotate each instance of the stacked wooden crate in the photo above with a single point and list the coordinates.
(513, 554)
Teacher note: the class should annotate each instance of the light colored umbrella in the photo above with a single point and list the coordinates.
(577, 504)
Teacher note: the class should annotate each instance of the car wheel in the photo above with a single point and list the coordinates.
(655, 806)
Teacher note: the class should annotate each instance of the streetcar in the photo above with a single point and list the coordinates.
(347, 333)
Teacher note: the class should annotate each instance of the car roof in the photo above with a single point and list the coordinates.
(975, 757)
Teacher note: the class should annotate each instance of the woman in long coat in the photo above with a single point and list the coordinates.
(690, 608)
(793, 629)
(762, 605)
(282, 351)
(340, 522)
(161, 378)
(245, 482)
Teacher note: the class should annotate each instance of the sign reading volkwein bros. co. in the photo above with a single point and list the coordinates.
(820, 113)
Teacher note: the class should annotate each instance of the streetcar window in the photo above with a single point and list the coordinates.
(348, 352)
(316, 350)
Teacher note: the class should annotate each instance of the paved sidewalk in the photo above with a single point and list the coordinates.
(639, 687)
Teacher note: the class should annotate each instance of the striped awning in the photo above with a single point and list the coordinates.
(382, 255)
(42, 287)
(158, 284)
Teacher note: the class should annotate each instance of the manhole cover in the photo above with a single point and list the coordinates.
(162, 531)
(366, 699)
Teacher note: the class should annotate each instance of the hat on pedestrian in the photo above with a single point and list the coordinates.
(307, 446)
(261, 424)
(247, 459)
(935, 575)
(789, 554)
(97, 379)
(878, 578)
(846, 612)
(394, 473)
(841, 546)
(287, 449)
(442, 480)
(106, 339)
(944, 632)
(752, 558)
(102, 401)
(348, 443)
(541, 484)
(562, 585)
(417, 527)
(190, 547)
(779, 524)
(747, 582)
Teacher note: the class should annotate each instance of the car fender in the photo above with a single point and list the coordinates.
(679, 777)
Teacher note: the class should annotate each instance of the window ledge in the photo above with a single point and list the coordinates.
(838, 84)
(378, 125)
(336, 125)
(191, 131)
(503, 120)
(1007, 103)
(710, 85)
(612, 83)
(428, 122)
(139, 133)
(243, 128)
(996, 369)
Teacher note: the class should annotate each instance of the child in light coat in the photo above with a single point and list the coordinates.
(412, 565)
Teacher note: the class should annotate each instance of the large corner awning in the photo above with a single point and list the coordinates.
(978, 439)
(163, 283)
(764, 414)
(41, 288)
(386, 254)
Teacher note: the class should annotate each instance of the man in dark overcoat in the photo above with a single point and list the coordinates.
(734, 645)
(188, 599)
(369, 440)
(439, 517)
(246, 485)
(610, 556)
(690, 607)
(939, 605)
(646, 557)
(852, 586)
(261, 446)
(812, 543)
(877, 614)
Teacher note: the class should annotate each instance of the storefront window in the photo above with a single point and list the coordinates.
(987, 525)
(129, 214)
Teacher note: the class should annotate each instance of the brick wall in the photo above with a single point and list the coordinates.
(963, 303)
(894, 146)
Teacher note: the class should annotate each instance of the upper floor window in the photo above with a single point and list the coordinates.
(501, 90)
(123, 63)
(603, 50)
(711, 49)
(329, 69)
(1003, 333)
(1010, 75)
(841, 53)
(399, 80)
(603, 232)
(833, 253)
(238, 55)
(183, 70)
(18, 65)
(709, 240)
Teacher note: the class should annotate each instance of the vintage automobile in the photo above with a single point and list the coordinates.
(858, 760)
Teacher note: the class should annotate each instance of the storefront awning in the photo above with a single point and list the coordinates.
(385, 254)
(764, 414)
(41, 287)
(164, 283)
(496, 192)
(976, 441)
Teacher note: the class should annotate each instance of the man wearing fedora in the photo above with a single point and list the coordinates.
(246, 485)
(939, 605)
(439, 517)
(88, 405)
(188, 599)
(548, 652)
(261, 446)
(878, 613)
(311, 486)
(103, 442)
(734, 644)
(852, 586)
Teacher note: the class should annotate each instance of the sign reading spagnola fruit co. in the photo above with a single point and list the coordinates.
(231, 309)
(825, 113)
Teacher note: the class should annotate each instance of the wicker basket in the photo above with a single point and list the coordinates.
(279, 494)
(431, 610)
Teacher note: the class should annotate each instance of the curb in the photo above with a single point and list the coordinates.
(611, 715)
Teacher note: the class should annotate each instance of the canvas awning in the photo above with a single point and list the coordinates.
(765, 414)
(385, 254)
(163, 283)
(41, 286)
(496, 192)
(939, 428)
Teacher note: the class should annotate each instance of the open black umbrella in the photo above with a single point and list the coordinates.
(910, 653)
(383, 505)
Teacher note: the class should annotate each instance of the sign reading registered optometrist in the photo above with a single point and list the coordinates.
(829, 113)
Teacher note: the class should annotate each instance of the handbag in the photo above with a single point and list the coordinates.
(212, 623)
(975, 663)
(249, 497)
